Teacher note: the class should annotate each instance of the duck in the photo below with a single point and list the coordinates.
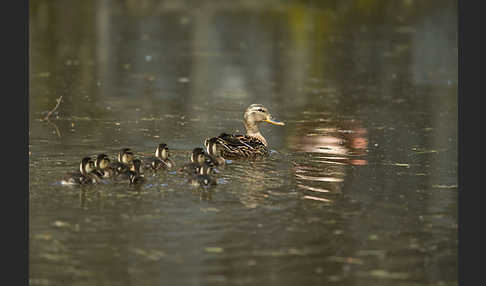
(198, 157)
(203, 178)
(124, 161)
(252, 145)
(86, 174)
(103, 166)
(135, 176)
(161, 159)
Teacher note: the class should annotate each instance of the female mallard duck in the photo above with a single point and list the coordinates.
(253, 144)
(161, 159)
(203, 178)
(86, 175)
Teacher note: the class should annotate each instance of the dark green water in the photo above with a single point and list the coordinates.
(361, 185)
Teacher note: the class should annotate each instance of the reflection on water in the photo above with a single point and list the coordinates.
(360, 187)
(329, 150)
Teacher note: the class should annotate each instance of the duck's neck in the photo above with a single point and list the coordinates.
(253, 131)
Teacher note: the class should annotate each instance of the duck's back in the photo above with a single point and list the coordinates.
(236, 146)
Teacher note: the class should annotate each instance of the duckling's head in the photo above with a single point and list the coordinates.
(125, 156)
(198, 155)
(162, 151)
(87, 166)
(102, 161)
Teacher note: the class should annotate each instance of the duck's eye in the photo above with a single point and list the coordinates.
(260, 110)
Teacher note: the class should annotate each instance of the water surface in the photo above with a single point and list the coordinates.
(361, 185)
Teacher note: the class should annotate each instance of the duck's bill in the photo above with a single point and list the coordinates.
(271, 121)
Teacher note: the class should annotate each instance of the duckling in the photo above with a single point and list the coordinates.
(252, 145)
(164, 155)
(161, 159)
(134, 174)
(103, 166)
(85, 176)
(214, 152)
(203, 178)
(122, 166)
(198, 157)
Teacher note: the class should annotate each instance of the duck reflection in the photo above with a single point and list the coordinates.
(255, 179)
(323, 154)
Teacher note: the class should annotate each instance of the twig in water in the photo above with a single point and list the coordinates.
(55, 126)
(46, 118)
(54, 109)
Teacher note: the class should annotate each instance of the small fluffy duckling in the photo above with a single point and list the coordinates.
(103, 166)
(161, 159)
(134, 174)
(122, 167)
(214, 152)
(198, 157)
(86, 175)
(203, 178)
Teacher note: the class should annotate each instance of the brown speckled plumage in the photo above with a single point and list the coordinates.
(250, 146)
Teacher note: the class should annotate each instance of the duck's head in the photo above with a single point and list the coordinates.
(198, 155)
(162, 151)
(257, 113)
(87, 166)
(125, 156)
(102, 161)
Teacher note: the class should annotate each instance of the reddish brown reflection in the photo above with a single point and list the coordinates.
(331, 148)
